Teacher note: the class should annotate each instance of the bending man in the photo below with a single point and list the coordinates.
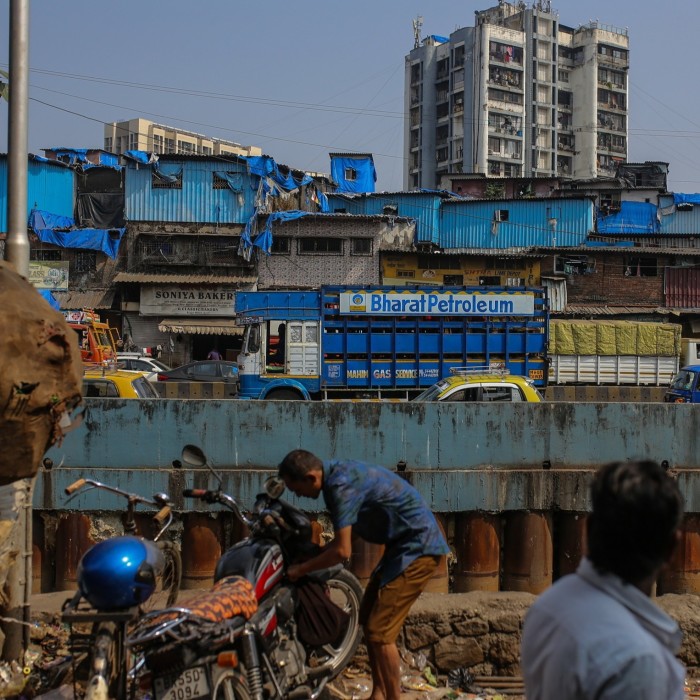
(382, 508)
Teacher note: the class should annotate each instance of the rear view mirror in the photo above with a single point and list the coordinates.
(274, 487)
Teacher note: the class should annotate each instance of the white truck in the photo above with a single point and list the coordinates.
(617, 352)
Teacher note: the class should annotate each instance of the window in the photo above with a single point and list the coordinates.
(46, 255)
(350, 174)
(186, 147)
(326, 246)
(99, 388)
(574, 265)
(453, 280)
(500, 215)
(640, 266)
(133, 142)
(281, 245)
(220, 183)
(360, 246)
(108, 145)
(173, 182)
(406, 274)
(85, 261)
(169, 146)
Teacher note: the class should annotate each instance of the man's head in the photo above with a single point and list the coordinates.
(636, 511)
(302, 473)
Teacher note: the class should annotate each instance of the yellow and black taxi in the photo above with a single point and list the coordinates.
(481, 385)
(117, 384)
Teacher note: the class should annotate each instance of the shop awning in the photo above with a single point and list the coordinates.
(200, 326)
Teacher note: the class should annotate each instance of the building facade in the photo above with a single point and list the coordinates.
(145, 135)
(517, 95)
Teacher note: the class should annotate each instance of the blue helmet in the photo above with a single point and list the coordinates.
(119, 572)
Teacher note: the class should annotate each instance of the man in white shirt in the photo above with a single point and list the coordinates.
(596, 633)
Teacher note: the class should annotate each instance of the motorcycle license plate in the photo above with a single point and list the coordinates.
(188, 685)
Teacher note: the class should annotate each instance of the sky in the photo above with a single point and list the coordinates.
(302, 81)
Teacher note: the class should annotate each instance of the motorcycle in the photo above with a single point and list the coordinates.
(119, 579)
(255, 635)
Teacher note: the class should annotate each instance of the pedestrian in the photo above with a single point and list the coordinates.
(382, 508)
(214, 354)
(596, 633)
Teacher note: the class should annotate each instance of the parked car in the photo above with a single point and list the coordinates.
(481, 387)
(141, 363)
(202, 371)
(117, 383)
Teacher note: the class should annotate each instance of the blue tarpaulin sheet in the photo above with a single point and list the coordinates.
(363, 174)
(265, 166)
(46, 293)
(78, 156)
(234, 180)
(633, 217)
(48, 227)
(263, 240)
(141, 157)
(686, 198)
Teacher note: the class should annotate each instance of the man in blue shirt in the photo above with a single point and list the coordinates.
(385, 509)
(596, 634)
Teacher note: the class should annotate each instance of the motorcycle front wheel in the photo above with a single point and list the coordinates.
(230, 685)
(329, 660)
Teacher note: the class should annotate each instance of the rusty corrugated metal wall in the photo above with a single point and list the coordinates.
(682, 287)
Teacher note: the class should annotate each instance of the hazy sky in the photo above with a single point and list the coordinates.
(302, 81)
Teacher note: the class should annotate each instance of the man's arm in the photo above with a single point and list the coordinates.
(337, 550)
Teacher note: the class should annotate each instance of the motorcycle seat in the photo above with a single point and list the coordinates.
(230, 597)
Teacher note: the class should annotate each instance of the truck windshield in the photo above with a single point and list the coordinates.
(683, 380)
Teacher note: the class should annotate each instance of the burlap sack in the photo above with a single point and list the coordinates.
(40, 376)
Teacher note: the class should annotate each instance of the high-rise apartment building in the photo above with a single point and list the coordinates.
(517, 95)
(145, 135)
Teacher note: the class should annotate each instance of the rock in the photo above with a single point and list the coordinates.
(452, 652)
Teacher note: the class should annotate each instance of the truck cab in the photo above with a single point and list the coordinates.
(97, 341)
(685, 387)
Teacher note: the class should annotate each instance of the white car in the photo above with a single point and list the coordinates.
(141, 363)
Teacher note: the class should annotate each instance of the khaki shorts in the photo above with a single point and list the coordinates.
(384, 609)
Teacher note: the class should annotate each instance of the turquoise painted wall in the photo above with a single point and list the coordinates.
(461, 457)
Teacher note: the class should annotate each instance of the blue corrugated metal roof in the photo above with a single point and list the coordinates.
(678, 221)
(50, 187)
(421, 206)
(197, 201)
(473, 224)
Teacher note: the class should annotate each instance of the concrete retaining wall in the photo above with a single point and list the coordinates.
(461, 457)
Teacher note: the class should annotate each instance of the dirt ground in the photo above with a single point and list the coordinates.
(47, 669)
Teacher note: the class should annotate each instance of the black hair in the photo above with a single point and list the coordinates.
(298, 463)
(636, 510)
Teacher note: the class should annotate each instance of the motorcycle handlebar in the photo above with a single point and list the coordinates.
(195, 493)
(75, 486)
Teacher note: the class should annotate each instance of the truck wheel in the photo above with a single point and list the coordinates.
(283, 395)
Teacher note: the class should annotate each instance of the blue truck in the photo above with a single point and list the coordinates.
(385, 342)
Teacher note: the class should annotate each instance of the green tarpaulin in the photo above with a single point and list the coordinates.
(614, 338)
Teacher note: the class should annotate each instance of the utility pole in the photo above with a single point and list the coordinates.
(17, 245)
(17, 497)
